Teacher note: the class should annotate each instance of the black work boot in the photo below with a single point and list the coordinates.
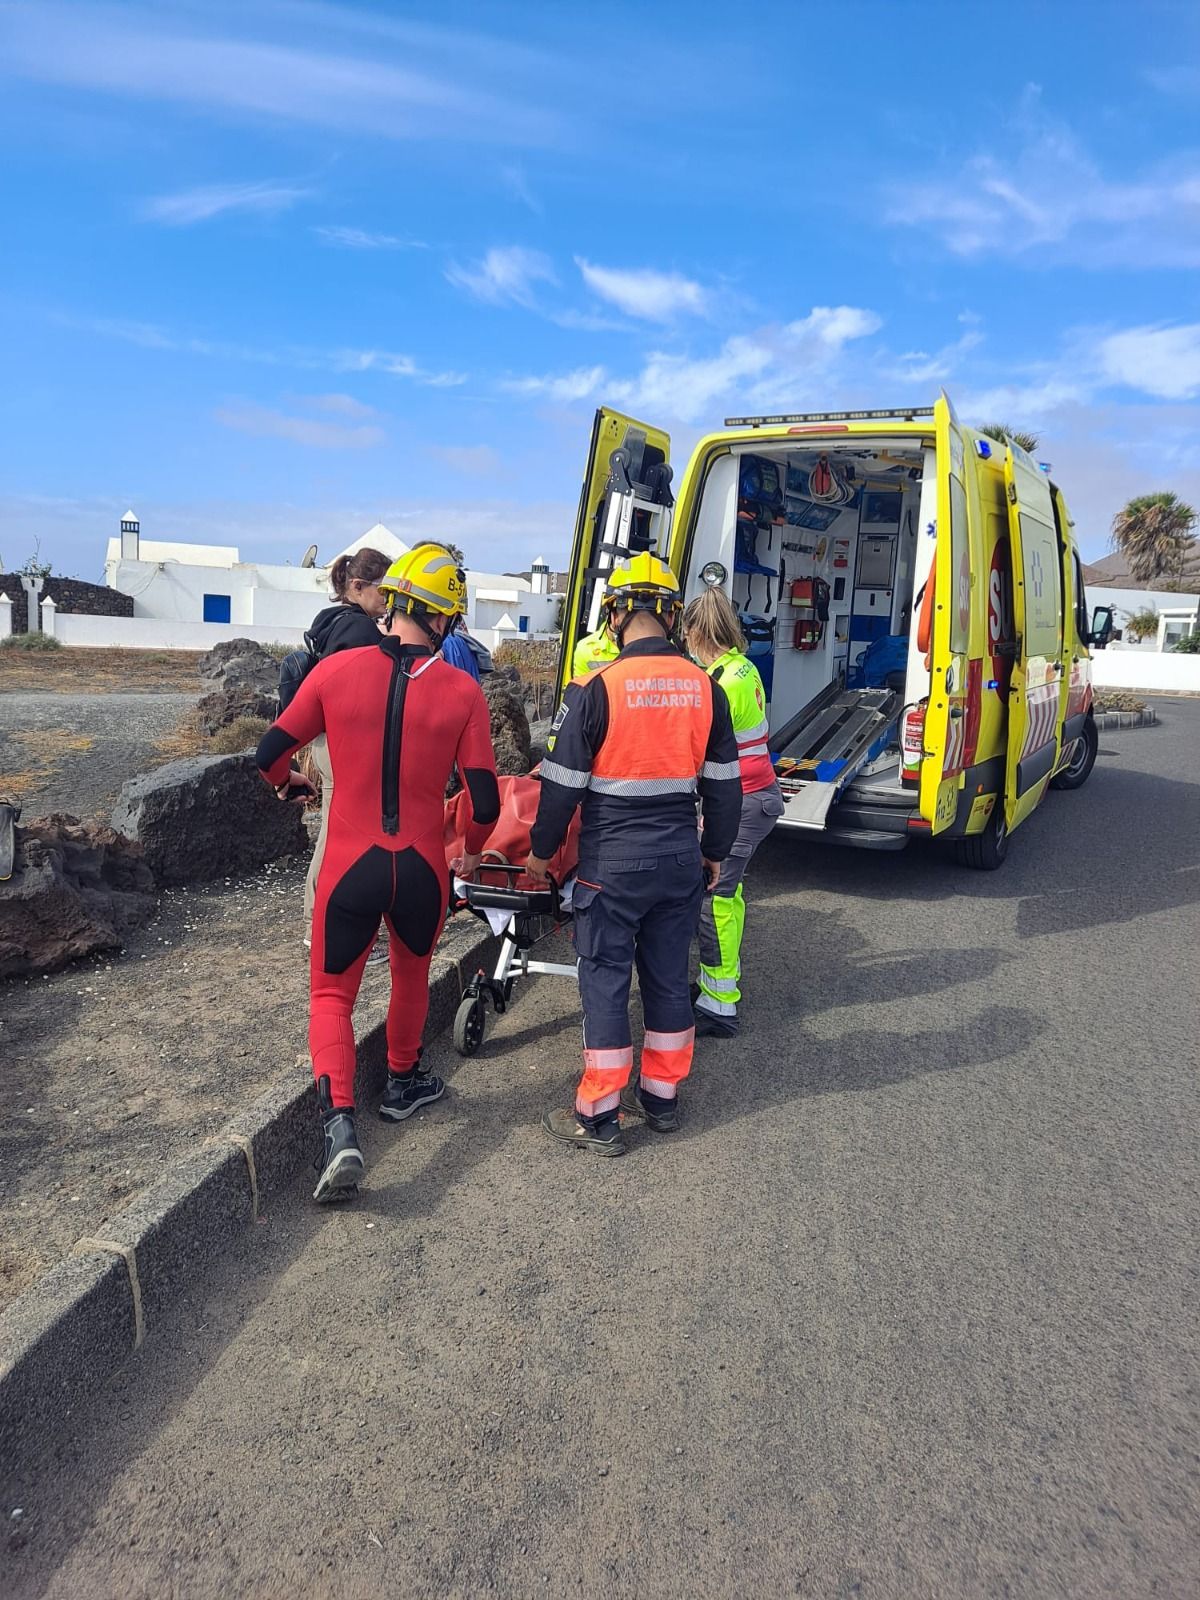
(407, 1092)
(602, 1138)
(341, 1162)
(714, 1024)
(659, 1114)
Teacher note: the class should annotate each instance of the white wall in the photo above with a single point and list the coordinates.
(158, 633)
(1128, 603)
(1145, 669)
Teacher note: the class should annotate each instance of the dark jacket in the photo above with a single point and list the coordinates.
(638, 818)
(342, 627)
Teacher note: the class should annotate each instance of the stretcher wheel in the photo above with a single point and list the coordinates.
(470, 1021)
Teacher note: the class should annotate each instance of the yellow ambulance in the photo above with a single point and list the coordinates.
(910, 591)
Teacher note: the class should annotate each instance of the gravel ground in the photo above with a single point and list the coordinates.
(907, 1309)
(73, 752)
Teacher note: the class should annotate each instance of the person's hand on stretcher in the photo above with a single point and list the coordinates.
(537, 868)
(464, 866)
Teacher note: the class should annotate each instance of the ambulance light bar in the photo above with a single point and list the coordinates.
(908, 413)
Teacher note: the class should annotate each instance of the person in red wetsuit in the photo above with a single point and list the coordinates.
(397, 718)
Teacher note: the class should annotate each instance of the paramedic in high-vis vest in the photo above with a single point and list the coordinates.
(634, 742)
(713, 636)
(594, 650)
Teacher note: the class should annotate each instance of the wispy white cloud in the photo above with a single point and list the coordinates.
(1048, 200)
(395, 365)
(564, 387)
(471, 460)
(1157, 362)
(1183, 79)
(927, 367)
(218, 199)
(1162, 361)
(517, 186)
(361, 239)
(410, 85)
(507, 275)
(771, 366)
(148, 336)
(339, 405)
(264, 423)
(644, 292)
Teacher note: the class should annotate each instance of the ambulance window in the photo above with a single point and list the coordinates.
(1043, 587)
(1082, 618)
(960, 615)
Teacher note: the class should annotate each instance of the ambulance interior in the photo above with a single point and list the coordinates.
(824, 558)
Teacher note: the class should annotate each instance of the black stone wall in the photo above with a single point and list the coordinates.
(69, 595)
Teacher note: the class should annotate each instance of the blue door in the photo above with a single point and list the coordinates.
(216, 608)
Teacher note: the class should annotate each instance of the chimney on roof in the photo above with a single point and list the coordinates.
(539, 576)
(131, 530)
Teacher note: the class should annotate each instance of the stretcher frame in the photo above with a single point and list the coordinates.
(521, 932)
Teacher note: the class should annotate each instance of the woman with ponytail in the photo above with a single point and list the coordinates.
(714, 638)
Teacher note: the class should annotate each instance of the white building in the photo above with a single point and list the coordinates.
(1178, 615)
(171, 581)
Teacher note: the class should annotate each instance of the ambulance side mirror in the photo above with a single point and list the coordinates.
(1102, 627)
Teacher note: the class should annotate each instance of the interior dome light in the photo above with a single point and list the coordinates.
(713, 574)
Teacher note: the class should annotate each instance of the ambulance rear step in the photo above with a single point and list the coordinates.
(826, 744)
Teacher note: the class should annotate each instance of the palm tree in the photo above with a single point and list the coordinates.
(1154, 534)
(1003, 434)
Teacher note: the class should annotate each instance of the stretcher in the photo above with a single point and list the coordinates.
(515, 912)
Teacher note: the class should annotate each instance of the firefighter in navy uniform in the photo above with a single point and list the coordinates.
(635, 741)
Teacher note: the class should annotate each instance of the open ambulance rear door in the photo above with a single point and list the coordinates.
(947, 730)
(1035, 690)
(625, 504)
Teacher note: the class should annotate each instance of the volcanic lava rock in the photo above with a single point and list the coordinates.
(76, 889)
(208, 817)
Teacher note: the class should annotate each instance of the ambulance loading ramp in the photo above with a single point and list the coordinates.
(826, 744)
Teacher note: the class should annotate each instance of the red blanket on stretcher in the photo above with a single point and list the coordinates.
(510, 837)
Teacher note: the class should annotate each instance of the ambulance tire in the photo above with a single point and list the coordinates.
(987, 850)
(1083, 758)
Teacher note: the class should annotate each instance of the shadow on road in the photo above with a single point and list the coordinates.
(1069, 865)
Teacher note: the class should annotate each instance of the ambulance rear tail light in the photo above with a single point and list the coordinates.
(912, 744)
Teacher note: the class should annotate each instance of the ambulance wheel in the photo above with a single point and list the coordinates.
(470, 1021)
(1083, 758)
(986, 851)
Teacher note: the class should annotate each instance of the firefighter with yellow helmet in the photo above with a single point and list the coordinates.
(398, 718)
(635, 742)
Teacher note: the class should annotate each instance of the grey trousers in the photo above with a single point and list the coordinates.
(723, 913)
(320, 753)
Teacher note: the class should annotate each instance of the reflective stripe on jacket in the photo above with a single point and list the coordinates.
(593, 651)
(748, 711)
(634, 742)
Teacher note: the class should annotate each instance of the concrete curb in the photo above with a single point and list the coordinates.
(83, 1318)
(1147, 717)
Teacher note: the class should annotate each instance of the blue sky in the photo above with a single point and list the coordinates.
(273, 270)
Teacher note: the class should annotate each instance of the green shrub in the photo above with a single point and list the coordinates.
(1187, 647)
(241, 734)
(30, 641)
(278, 651)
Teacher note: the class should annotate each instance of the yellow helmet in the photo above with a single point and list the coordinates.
(642, 583)
(428, 578)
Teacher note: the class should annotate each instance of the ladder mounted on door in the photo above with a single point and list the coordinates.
(827, 744)
(634, 514)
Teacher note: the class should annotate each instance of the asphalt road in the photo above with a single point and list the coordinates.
(908, 1309)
